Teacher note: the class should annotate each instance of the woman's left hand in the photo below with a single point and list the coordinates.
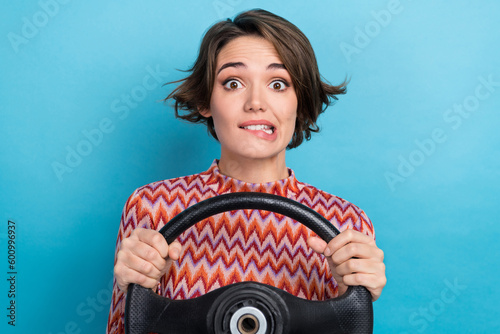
(354, 259)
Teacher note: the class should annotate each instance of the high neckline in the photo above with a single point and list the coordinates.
(222, 184)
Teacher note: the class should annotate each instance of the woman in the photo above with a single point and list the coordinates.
(257, 87)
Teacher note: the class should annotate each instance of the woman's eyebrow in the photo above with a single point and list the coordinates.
(226, 65)
(276, 66)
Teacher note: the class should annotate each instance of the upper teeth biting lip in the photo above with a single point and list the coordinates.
(266, 128)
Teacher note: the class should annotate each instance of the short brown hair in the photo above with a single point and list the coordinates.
(294, 49)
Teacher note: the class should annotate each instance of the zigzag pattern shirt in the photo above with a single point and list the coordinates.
(236, 246)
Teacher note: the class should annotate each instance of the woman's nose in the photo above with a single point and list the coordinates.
(255, 100)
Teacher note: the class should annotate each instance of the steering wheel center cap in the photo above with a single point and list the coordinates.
(248, 320)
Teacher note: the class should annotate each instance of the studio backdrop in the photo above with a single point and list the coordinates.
(414, 143)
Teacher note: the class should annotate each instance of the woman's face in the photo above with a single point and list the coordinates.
(253, 103)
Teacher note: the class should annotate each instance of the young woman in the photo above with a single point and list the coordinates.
(257, 87)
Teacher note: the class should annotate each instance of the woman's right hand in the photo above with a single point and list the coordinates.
(143, 258)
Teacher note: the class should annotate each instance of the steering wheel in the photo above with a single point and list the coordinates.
(248, 307)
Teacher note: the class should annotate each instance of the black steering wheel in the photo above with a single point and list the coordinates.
(248, 307)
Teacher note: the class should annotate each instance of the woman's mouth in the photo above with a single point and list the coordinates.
(260, 127)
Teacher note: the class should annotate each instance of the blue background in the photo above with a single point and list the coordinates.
(395, 145)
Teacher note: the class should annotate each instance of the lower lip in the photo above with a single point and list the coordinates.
(262, 134)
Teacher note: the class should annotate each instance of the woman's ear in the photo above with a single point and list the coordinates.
(205, 112)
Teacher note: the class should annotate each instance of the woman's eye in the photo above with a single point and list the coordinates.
(232, 84)
(278, 85)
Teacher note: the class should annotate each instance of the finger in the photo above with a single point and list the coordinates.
(129, 261)
(360, 266)
(154, 239)
(174, 250)
(132, 247)
(317, 244)
(357, 250)
(373, 283)
(346, 237)
(125, 276)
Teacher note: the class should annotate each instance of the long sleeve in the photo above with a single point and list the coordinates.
(128, 223)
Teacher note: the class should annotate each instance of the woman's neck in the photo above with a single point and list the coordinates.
(254, 170)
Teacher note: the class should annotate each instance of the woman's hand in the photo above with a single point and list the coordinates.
(143, 258)
(354, 259)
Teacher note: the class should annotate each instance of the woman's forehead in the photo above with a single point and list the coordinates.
(248, 49)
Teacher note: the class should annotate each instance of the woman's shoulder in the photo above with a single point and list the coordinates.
(160, 200)
(332, 206)
(178, 184)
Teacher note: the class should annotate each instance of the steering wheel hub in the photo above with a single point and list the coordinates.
(248, 308)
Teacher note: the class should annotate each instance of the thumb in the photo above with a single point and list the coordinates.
(174, 250)
(317, 244)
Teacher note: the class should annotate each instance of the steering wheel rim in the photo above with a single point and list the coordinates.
(355, 303)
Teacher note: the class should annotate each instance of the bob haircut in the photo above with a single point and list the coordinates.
(296, 53)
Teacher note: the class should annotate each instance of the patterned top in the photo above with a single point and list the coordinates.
(236, 246)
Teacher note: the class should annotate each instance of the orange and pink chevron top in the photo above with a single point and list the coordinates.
(236, 246)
